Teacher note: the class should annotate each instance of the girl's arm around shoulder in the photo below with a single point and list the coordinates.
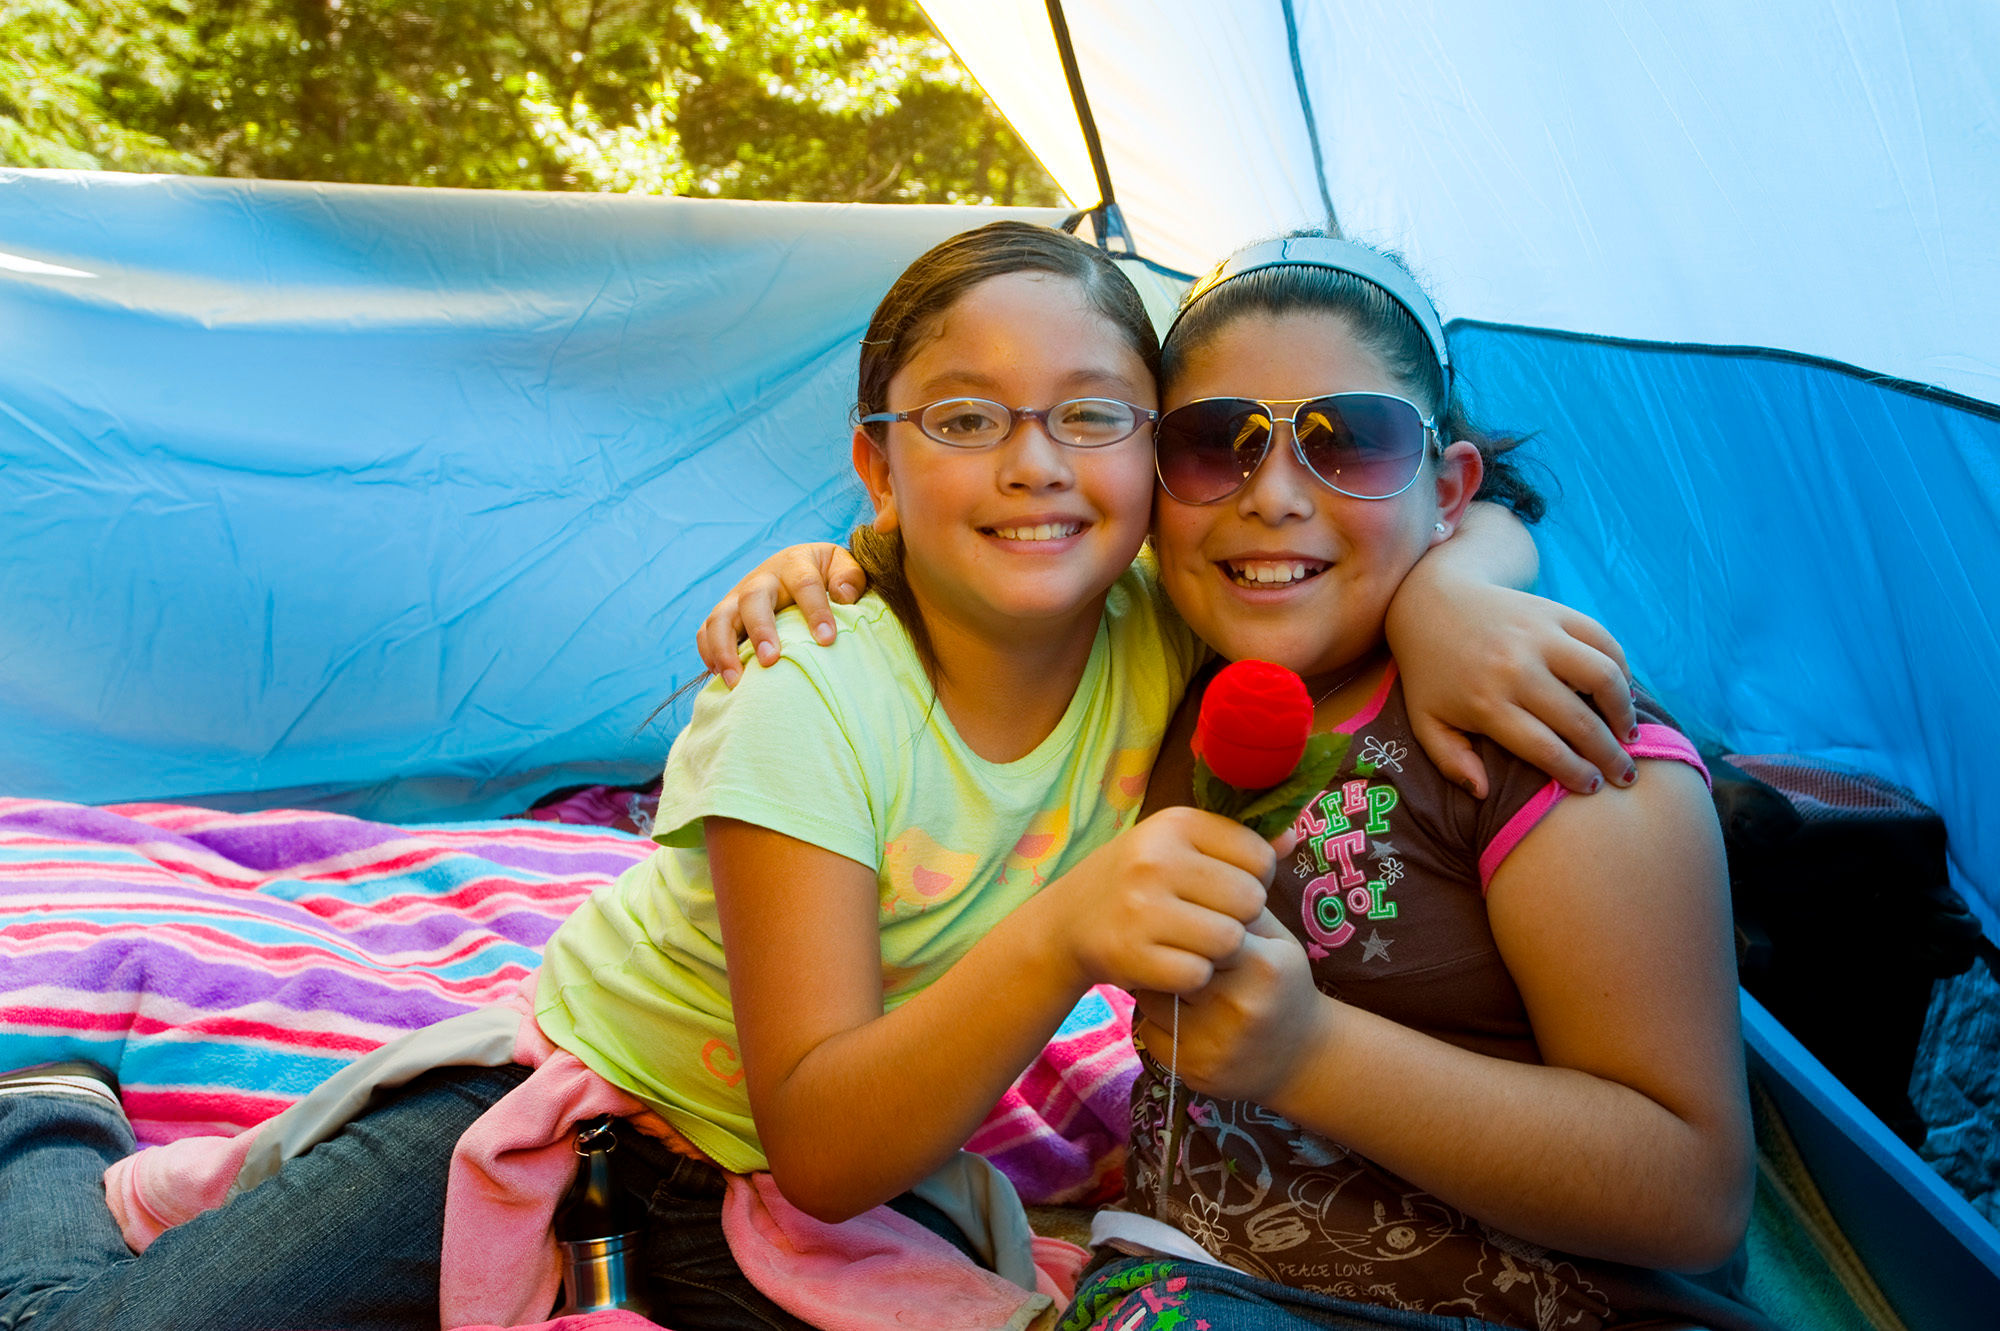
(819, 576)
(1481, 654)
(812, 577)
(1631, 1140)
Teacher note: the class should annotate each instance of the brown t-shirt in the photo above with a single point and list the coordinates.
(1387, 892)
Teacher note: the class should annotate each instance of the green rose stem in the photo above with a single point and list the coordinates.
(1254, 715)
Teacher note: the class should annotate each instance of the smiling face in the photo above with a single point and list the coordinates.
(1029, 534)
(1287, 569)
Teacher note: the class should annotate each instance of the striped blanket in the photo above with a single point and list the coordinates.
(225, 964)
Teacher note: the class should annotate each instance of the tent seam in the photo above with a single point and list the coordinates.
(1306, 110)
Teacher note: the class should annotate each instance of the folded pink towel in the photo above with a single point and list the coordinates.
(153, 1190)
(879, 1269)
(508, 1173)
(608, 1321)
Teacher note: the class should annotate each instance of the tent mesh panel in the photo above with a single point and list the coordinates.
(1822, 791)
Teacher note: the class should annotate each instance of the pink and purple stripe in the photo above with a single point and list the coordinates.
(224, 964)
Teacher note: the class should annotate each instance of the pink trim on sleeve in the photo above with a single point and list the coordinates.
(1658, 741)
(1655, 741)
(1522, 823)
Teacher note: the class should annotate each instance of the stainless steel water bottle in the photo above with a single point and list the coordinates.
(598, 1231)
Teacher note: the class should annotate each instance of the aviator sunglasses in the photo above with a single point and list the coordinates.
(1364, 445)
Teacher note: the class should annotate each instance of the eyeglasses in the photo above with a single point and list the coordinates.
(1364, 445)
(974, 422)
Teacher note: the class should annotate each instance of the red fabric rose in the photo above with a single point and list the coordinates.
(1254, 723)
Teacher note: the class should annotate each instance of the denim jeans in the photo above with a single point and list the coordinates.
(690, 1279)
(345, 1236)
(1127, 1293)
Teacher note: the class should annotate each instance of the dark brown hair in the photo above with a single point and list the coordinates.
(911, 314)
(1382, 325)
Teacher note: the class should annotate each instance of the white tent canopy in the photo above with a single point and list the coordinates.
(1712, 172)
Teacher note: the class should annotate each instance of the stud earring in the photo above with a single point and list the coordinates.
(1440, 528)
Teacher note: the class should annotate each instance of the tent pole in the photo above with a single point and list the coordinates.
(1105, 219)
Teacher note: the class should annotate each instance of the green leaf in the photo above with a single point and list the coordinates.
(1269, 812)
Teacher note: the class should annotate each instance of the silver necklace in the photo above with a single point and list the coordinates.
(1359, 670)
(1169, 1162)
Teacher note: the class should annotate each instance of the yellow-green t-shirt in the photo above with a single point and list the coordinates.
(845, 748)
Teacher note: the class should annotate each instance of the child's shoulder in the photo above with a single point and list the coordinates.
(1142, 619)
(866, 622)
(867, 636)
(870, 664)
(861, 683)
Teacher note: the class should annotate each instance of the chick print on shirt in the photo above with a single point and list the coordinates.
(1125, 780)
(1047, 834)
(920, 873)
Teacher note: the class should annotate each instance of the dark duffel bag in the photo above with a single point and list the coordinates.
(1845, 915)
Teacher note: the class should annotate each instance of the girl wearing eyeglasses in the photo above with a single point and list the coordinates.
(889, 868)
(1476, 1059)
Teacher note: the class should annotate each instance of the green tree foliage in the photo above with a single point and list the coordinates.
(772, 99)
(62, 66)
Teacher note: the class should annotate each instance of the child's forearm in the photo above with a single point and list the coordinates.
(872, 1111)
(875, 1105)
(1557, 1156)
(853, 1103)
(1631, 1139)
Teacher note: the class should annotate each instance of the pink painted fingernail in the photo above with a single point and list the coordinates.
(1631, 775)
(1596, 780)
(1632, 737)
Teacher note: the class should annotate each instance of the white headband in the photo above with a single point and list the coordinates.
(1341, 256)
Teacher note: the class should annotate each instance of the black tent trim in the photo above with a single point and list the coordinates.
(1943, 397)
(1306, 110)
(1105, 219)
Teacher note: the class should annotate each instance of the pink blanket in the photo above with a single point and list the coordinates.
(224, 964)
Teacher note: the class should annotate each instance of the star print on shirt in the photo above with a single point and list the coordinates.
(1375, 945)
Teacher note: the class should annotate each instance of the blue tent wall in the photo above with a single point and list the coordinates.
(406, 501)
(1799, 558)
(399, 501)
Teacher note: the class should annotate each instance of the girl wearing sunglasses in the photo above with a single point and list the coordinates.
(1476, 1059)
